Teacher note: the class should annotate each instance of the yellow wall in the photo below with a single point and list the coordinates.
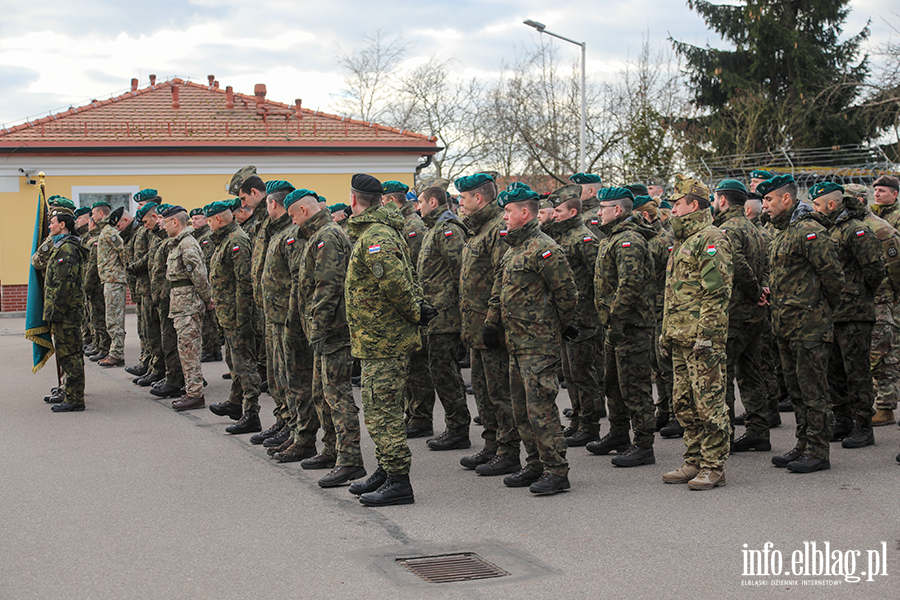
(18, 209)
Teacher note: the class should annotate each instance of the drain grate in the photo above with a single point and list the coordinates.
(447, 568)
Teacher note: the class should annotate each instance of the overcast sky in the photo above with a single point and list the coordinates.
(54, 53)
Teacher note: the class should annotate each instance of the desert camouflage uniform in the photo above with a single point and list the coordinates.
(695, 329)
(111, 268)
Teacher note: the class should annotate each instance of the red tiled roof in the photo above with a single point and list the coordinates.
(145, 119)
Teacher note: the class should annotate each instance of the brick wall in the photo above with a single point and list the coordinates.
(13, 298)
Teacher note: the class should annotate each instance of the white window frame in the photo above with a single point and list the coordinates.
(131, 190)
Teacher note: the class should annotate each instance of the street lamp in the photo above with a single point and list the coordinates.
(543, 29)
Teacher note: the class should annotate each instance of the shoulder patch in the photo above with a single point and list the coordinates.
(375, 249)
(810, 237)
(587, 238)
(860, 233)
(892, 252)
(60, 260)
(670, 248)
(595, 221)
(411, 234)
(448, 233)
(711, 249)
(378, 270)
(235, 248)
(626, 244)
(546, 254)
(503, 232)
(290, 241)
(320, 245)
(204, 242)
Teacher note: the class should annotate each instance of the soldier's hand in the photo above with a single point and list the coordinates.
(491, 338)
(702, 347)
(212, 305)
(663, 351)
(570, 334)
(426, 313)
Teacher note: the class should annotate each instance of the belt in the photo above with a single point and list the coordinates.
(180, 283)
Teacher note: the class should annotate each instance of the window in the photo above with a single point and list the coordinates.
(116, 195)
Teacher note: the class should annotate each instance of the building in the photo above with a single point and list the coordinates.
(185, 140)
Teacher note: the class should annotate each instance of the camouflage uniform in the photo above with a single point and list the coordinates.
(382, 299)
(139, 282)
(212, 344)
(888, 212)
(255, 227)
(150, 305)
(64, 311)
(806, 282)
(746, 320)
(695, 328)
(232, 291)
(660, 248)
(438, 267)
(859, 253)
(93, 291)
(111, 268)
(480, 274)
(160, 287)
(579, 357)
(86, 333)
(535, 302)
(589, 217)
(322, 271)
(274, 279)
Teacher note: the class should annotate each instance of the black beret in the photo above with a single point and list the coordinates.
(115, 215)
(366, 184)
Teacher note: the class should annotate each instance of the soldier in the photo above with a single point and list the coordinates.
(111, 268)
(534, 268)
(849, 374)
(886, 190)
(232, 294)
(806, 282)
(319, 296)
(624, 294)
(139, 281)
(93, 291)
(82, 224)
(695, 333)
(757, 176)
(189, 296)
(149, 306)
(590, 187)
(439, 266)
(545, 214)
(480, 273)
(212, 345)
(384, 307)
(579, 360)
(64, 306)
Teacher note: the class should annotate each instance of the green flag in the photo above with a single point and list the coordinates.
(36, 329)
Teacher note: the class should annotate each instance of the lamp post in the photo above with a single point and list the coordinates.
(543, 29)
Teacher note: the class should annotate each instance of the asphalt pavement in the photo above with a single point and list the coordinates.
(131, 500)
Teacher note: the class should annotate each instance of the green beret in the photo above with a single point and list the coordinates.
(760, 174)
(641, 200)
(516, 195)
(391, 187)
(775, 183)
(61, 202)
(278, 185)
(731, 185)
(236, 204)
(100, 203)
(84, 210)
(214, 208)
(517, 184)
(336, 207)
(665, 205)
(564, 194)
(196, 211)
(238, 179)
(615, 193)
(824, 187)
(144, 210)
(145, 195)
(581, 178)
(323, 199)
(638, 189)
(162, 208)
(465, 184)
(297, 194)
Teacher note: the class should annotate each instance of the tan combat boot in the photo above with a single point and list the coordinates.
(883, 416)
(707, 479)
(682, 474)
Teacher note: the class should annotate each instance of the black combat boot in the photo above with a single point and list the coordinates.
(608, 443)
(843, 426)
(673, 429)
(395, 490)
(248, 423)
(860, 437)
(375, 481)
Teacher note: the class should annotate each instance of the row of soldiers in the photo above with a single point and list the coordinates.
(599, 282)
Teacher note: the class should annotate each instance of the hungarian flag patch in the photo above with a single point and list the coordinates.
(626, 244)
(375, 249)
(546, 254)
(810, 237)
(711, 249)
(860, 233)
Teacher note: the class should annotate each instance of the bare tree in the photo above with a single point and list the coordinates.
(368, 75)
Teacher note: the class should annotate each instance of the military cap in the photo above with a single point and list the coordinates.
(516, 195)
(638, 189)
(582, 178)
(162, 208)
(365, 184)
(323, 199)
(858, 191)
(100, 203)
(564, 194)
(545, 202)
(824, 187)
(731, 185)
(236, 204)
(61, 202)
(614, 193)
(115, 215)
(238, 179)
(888, 181)
(665, 205)
(196, 211)
(145, 195)
(517, 184)
(464, 184)
(431, 182)
(171, 211)
(336, 207)
(761, 174)
(214, 208)
(144, 210)
(641, 200)
(277, 185)
(391, 187)
(689, 185)
(84, 210)
(297, 194)
(770, 185)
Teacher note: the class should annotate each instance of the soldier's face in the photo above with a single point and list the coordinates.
(172, 226)
(96, 215)
(656, 191)
(682, 207)
(755, 182)
(885, 195)
(563, 212)
(515, 216)
(776, 204)
(252, 199)
(198, 221)
(55, 226)
(470, 202)
(546, 215)
(609, 212)
(82, 220)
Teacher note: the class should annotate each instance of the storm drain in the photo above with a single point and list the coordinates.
(447, 568)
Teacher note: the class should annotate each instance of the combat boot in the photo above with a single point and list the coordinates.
(883, 416)
(860, 437)
(482, 457)
(341, 475)
(808, 464)
(188, 403)
(584, 435)
(748, 442)
(662, 419)
(91, 350)
(414, 431)
(448, 441)
(570, 430)
(673, 429)
(375, 481)
(166, 391)
(149, 379)
(522, 478)
(395, 490)
(634, 457)
(249, 423)
(843, 426)
(682, 474)
(608, 443)
(783, 460)
(67, 407)
(499, 465)
(274, 452)
(283, 435)
(261, 437)
(550, 484)
(319, 461)
(707, 479)
(227, 409)
(137, 370)
(56, 396)
(101, 354)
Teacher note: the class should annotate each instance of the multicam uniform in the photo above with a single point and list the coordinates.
(111, 268)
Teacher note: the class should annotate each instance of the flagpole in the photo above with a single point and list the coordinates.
(59, 372)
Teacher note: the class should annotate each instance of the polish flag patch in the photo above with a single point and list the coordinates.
(587, 239)
(60, 260)
(810, 237)
(290, 241)
(546, 254)
(205, 242)
(626, 244)
(503, 233)
(321, 245)
(670, 248)
(448, 233)
(711, 249)
(375, 249)
(860, 233)
(412, 234)
(595, 221)
(235, 248)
